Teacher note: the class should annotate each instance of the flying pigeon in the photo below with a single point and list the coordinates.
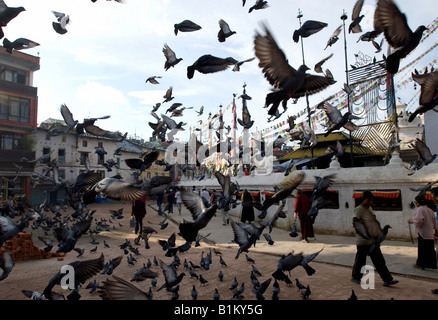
(117, 189)
(7, 14)
(259, 4)
(356, 18)
(171, 59)
(18, 44)
(120, 289)
(289, 185)
(153, 79)
(428, 97)
(336, 120)
(334, 37)
(237, 66)
(186, 26)
(397, 33)
(225, 31)
(308, 28)
(6, 264)
(168, 95)
(63, 19)
(318, 66)
(209, 64)
(142, 164)
(287, 81)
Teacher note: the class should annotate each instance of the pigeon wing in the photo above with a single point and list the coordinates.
(67, 115)
(429, 85)
(193, 203)
(96, 131)
(120, 289)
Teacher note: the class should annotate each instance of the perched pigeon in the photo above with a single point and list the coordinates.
(209, 64)
(397, 33)
(186, 26)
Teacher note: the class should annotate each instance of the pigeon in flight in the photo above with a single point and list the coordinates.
(259, 4)
(424, 154)
(361, 230)
(153, 79)
(171, 277)
(237, 66)
(120, 289)
(116, 189)
(171, 59)
(289, 185)
(287, 81)
(336, 120)
(428, 82)
(397, 32)
(186, 26)
(63, 19)
(225, 31)
(9, 228)
(308, 28)
(119, 1)
(356, 18)
(142, 164)
(18, 44)
(209, 64)
(334, 37)
(318, 66)
(200, 213)
(168, 95)
(242, 238)
(7, 14)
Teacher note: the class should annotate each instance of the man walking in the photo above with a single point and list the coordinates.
(368, 219)
(302, 207)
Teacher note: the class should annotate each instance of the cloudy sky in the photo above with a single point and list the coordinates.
(100, 65)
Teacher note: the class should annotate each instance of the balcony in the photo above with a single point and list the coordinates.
(9, 157)
(17, 88)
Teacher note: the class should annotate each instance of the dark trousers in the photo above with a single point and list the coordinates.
(426, 257)
(138, 224)
(377, 259)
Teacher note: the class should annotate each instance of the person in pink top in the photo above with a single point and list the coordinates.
(425, 227)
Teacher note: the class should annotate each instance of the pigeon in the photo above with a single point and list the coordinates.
(19, 44)
(225, 31)
(397, 33)
(142, 164)
(171, 59)
(120, 289)
(289, 185)
(200, 213)
(63, 19)
(237, 66)
(8, 228)
(360, 229)
(48, 242)
(424, 153)
(222, 261)
(356, 18)
(202, 279)
(117, 189)
(299, 285)
(108, 268)
(234, 284)
(268, 238)
(209, 64)
(318, 68)
(336, 120)
(305, 293)
(261, 289)
(201, 111)
(194, 293)
(334, 37)
(286, 80)
(353, 296)
(259, 5)
(246, 121)
(239, 291)
(249, 259)
(92, 285)
(6, 264)
(170, 276)
(168, 95)
(307, 29)
(216, 294)
(83, 270)
(7, 14)
(143, 274)
(153, 79)
(321, 185)
(186, 26)
(242, 238)
(428, 96)
(228, 189)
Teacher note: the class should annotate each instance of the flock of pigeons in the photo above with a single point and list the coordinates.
(287, 83)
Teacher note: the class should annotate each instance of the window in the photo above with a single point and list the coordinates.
(84, 143)
(10, 141)
(61, 156)
(17, 76)
(61, 174)
(118, 163)
(46, 151)
(100, 158)
(384, 200)
(84, 157)
(14, 109)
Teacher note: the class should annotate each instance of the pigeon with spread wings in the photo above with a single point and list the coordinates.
(19, 44)
(397, 32)
(289, 185)
(200, 213)
(171, 59)
(7, 14)
(287, 81)
(356, 18)
(336, 120)
(246, 121)
(428, 82)
(210, 64)
(225, 31)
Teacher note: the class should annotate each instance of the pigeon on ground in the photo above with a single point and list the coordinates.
(200, 213)
(308, 28)
(286, 80)
(48, 242)
(356, 18)
(186, 26)
(209, 64)
(19, 44)
(171, 59)
(428, 82)
(397, 32)
(108, 267)
(171, 277)
(225, 31)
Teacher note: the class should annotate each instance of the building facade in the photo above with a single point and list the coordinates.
(18, 120)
